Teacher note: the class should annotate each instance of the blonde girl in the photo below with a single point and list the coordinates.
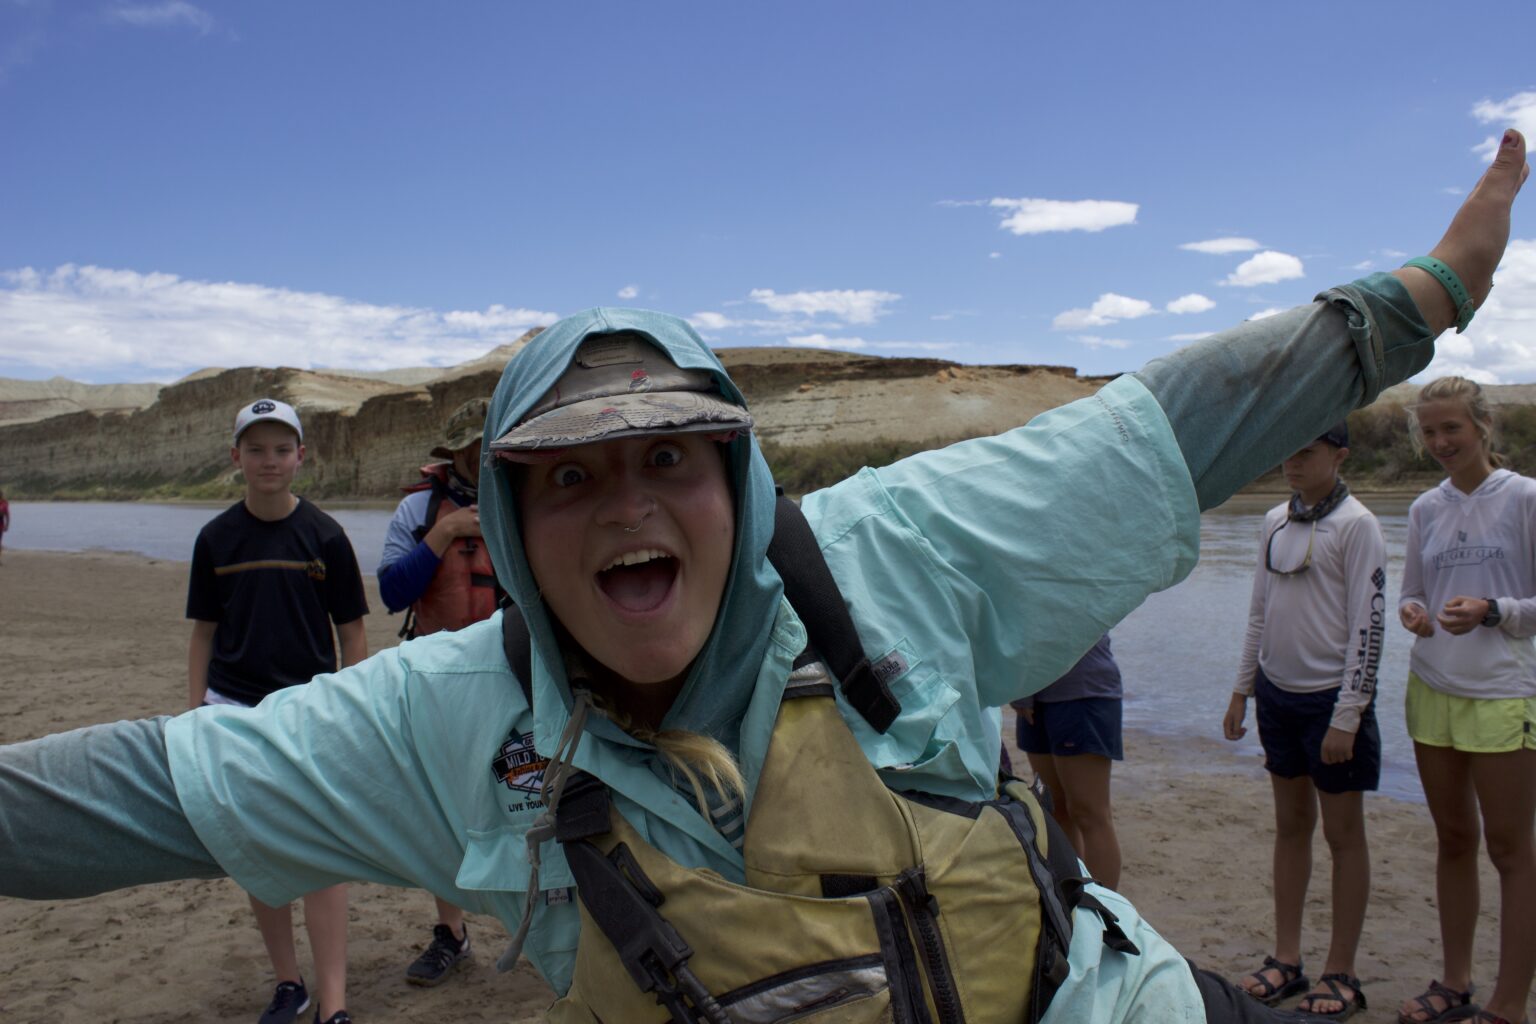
(1469, 596)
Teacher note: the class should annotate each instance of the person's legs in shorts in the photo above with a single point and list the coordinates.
(1446, 775)
(1295, 820)
(1499, 738)
(1292, 727)
(1340, 792)
(1072, 745)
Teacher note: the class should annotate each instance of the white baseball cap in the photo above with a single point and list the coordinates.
(264, 409)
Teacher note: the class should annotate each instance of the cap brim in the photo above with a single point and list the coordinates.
(612, 417)
(448, 450)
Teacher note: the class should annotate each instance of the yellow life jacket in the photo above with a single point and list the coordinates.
(860, 904)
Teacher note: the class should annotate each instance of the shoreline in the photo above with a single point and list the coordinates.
(97, 636)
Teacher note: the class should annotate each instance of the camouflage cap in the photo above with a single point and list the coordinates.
(465, 427)
(620, 385)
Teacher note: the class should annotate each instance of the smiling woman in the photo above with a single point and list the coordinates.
(868, 866)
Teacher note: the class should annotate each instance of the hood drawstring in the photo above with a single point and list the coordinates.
(560, 768)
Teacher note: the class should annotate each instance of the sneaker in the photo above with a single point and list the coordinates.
(440, 958)
(289, 1000)
(339, 1017)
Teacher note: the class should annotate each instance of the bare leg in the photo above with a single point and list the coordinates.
(1085, 781)
(276, 927)
(325, 917)
(451, 916)
(1344, 828)
(1044, 765)
(1506, 791)
(1295, 821)
(1446, 776)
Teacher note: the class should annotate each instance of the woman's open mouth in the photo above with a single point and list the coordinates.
(639, 581)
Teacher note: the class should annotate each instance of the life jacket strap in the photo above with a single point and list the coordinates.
(813, 593)
(623, 903)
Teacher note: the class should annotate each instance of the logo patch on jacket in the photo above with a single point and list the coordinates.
(518, 765)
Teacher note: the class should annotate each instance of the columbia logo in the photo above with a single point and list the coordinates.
(1379, 578)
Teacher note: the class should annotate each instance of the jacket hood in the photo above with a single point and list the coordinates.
(1492, 484)
(719, 684)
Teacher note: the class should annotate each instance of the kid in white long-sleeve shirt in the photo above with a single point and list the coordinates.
(1311, 655)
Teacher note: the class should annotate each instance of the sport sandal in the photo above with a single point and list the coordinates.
(1337, 984)
(1458, 1006)
(1267, 992)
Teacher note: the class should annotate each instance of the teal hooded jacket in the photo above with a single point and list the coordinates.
(975, 574)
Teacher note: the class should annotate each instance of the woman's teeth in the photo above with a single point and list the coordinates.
(636, 557)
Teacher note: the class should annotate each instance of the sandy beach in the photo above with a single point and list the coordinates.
(94, 637)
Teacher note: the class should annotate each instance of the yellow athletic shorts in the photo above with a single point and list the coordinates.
(1469, 724)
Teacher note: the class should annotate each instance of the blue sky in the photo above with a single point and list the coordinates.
(379, 184)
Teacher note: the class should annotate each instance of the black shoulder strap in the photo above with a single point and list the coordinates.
(814, 595)
(812, 592)
(434, 502)
(518, 646)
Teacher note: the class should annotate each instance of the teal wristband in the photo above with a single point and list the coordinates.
(1446, 276)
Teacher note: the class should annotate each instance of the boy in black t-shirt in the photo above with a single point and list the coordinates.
(269, 576)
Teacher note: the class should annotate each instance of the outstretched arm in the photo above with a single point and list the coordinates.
(1034, 542)
(86, 811)
(1241, 401)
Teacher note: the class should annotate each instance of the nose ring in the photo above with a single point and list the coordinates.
(638, 523)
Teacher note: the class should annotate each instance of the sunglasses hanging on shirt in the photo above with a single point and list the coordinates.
(1298, 513)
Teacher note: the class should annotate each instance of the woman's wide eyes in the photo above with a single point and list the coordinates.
(568, 475)
(666, 455)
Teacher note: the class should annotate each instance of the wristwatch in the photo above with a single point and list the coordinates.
(1493, 618)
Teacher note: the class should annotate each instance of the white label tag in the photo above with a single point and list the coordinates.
(892, 666)
(553, 897)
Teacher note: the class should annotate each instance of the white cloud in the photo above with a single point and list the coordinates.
(165, 14)
(1194, 336)
(1363, 265)
(707, 321)
(918, 346)
(1191, 303)
(1222, 246)
(1500, 345)
(1394, 254)
(100, 324)
(853, 307)
(629, 291)
(1094, 341)
(1107, 309)
(1518, 111)
(1266, 267)
(1454, 190)
(1265, 314)
(822, 341)
(994, 255)
(1037, 216)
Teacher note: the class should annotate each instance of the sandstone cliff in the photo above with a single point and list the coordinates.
(366, 434)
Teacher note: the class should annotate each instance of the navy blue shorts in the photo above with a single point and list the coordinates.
(1291, 730)
(1064, 728)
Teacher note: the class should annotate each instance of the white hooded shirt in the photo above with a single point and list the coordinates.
(1479, 545)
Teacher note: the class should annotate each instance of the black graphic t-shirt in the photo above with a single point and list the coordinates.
(274, 588)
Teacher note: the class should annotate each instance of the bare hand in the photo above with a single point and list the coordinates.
(461, 522)
(1416, 620)
(1232, 723)
(1463, 614)
(1338, 746)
